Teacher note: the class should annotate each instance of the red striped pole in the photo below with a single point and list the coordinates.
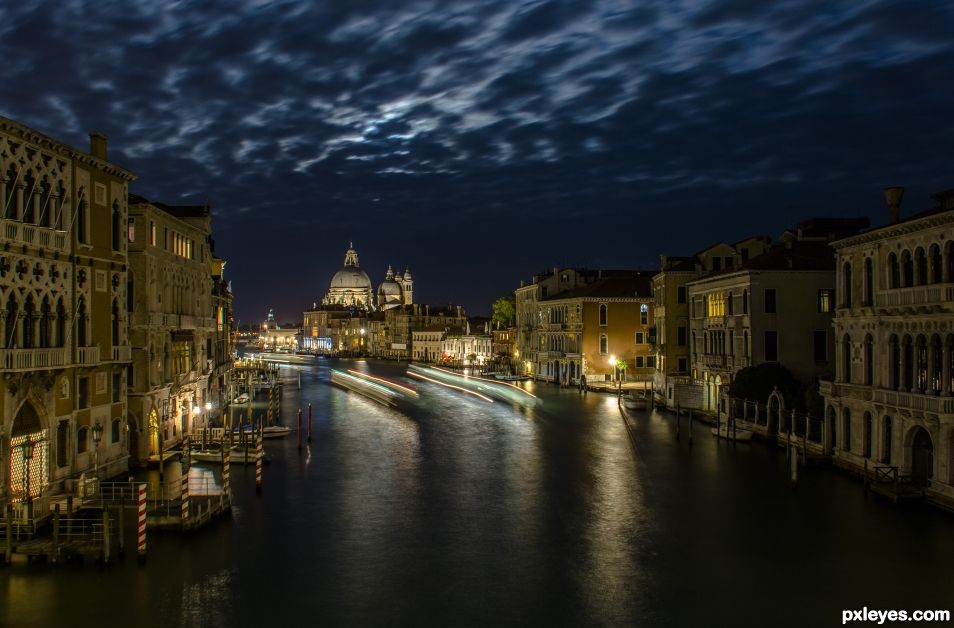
(141, 535)
(226, 474)
(299, 428)
(309, 422)
(185, 495)
(258, 465)
(271, 396)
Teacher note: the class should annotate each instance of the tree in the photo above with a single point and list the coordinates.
(757, 382)
(504, 311)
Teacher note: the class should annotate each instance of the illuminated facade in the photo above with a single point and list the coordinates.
(180, 370)
(890, 403)
(63, 341)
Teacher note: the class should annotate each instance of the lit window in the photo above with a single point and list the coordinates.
(826, 299)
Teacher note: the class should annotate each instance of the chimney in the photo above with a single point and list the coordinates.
(892, 197)
(97, 145)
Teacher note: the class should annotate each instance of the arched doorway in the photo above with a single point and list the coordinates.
(28, 454)
(776, 414)
(922, 457)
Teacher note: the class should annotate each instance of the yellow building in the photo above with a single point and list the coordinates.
(63, 307)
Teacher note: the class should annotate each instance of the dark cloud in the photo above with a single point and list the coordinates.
(480, 141)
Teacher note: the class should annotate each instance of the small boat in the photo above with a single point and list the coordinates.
(272, 431)
(237, 456)
(243, 398)
(635, 402)
(737, 434)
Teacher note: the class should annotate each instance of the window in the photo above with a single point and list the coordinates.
(639, 361)
(82, 393)
(825, 298)
(99, 193)
(867, 435)
(62, 443)
(846, 359)
(716, 264)
(771, 346)
(114, 432)
(604, 344)
(639, 337)
(869, 360)
(770, 301)
(821, 345)
(745, 301)
(82, 440)
(715, 305)
(745, 343)
(869, 282)
(181, 357)
(728, 303)
(131, 229)
(152, 233)
(82, 218)
(543, 291)
(846, 429)
(644, 314)
(886, 441)
(744, 253)
(602, 314)
(681, 336)
(683, 365)
(681, 294)
(846, 287)
(650, 361)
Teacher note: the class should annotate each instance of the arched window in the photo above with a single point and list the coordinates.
(886, 439)
(846, 288)
(10, 330)
(745, 343)
(869, 282)
(895, 365)
(869, 360)
(832, 428)
(894, 271)
(729, 299)
(117, 227)
(922, 363)
(602, 314)
(81, 324)
(867, 435)
(846, 359)
(907, 359)
(937, 364)
(29, 323)
(846, 429)
(604, 344)
(115, 324)
(82, 234)
(937, 264)
(45, 324)
(60, 323)
(705, 343)
(920, 266)
(907, 269)
(745, 301)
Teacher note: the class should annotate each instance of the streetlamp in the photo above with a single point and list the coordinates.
(97, 437)
(26, 449)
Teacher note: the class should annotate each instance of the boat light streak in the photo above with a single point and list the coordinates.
(485, 379)
(385, 382)
(440, 383)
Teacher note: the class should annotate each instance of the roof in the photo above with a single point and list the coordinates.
(632, 285)
(179, 211)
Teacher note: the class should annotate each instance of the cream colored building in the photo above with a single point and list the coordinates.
(776, 307)
(672, 380)
(175, 375)
(64, 348)
(890, 403)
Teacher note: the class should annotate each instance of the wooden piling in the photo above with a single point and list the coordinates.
(9, 549)
(309, 423)
(121, 517)
(106, 548)
(794, 461)
(299, 428)
(678, 413)
(690, 427)
(54, 557)
(258, 466)
(141, 532)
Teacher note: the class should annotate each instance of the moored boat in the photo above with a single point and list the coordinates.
(738, 434)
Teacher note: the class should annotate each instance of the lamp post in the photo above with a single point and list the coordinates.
(27, 450)
(97, 437)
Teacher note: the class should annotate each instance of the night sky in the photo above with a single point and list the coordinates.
(479, 142)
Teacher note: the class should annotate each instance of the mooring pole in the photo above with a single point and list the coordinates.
(309, 422)
(141, 530)
(299, 428)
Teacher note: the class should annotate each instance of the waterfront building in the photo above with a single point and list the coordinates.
(400, 323)
(274, 338)
(395, 290)
(223, 340)
(889, 404)
(427, 342)
(504, 348)
(177, 378)
(465, 348)
(64, 347)
(776, 307)
(672, 380)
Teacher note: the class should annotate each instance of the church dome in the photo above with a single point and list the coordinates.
(351, 277)
(389, 287)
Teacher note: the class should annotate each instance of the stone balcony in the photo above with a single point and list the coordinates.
(14, 232)
(890, 400)
(33, 359)
(122, 354)
(938, 295)
(724, 361)
(87, 356)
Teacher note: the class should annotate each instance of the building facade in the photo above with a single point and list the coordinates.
(890, 402)
(176, 373)
(64, 347)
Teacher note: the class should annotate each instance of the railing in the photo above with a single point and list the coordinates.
(87, 355)
(122, 353)
(33, 359)
(914, 401)
(32, 235)
(932, 294)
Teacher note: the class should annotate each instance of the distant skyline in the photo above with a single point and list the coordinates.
(479, 142)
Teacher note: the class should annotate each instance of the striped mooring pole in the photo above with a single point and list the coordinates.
(309, 422)
(141, 533)
(299, 428)
(258, 464)
(271, 396)
(185, 495)
(226, 472)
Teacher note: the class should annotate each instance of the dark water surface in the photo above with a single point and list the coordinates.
(449, 511)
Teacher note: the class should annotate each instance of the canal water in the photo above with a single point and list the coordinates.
(451, 511)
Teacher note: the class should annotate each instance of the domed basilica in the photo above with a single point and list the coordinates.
(351, 287)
